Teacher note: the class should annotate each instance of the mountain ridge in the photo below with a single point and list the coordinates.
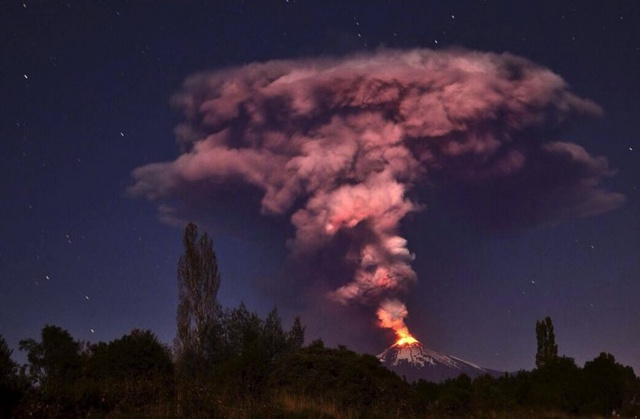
(414, 361)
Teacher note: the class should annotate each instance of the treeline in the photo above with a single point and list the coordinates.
(68, 378)
(232, 363)
(272, 375)
(602, 388)
(137, 375)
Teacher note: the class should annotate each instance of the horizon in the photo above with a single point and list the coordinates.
(465, 216)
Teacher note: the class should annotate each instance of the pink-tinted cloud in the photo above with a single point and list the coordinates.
(337, 145)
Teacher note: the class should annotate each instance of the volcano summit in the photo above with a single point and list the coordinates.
(414, 362)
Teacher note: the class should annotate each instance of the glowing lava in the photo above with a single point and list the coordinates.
(405, 339)
(391, 315)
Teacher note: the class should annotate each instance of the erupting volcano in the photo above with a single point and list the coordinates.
(346, 148)
(406, 340)
(409, 358)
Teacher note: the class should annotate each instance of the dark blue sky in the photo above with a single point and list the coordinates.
(86, 90)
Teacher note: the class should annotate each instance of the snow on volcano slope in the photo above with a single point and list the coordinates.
(416, 362)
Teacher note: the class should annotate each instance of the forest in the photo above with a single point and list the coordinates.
(233, 363)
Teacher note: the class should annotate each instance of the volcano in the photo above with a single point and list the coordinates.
(415, 362)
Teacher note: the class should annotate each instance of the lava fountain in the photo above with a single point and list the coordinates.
(391, 315)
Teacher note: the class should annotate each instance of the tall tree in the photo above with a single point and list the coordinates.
(547, 349)
(198, 284)
(295, 337)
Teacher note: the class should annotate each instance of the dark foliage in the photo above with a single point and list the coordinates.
(198, 316)
(126, 375)
(135, 370)
(13, 385)
(547, 350)
(261, 372)
(246, 348)
(609, 386)
(55, 364)
(136, 354)
(341, 376)
(54, 360)
(198, 284)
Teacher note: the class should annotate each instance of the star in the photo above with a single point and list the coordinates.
(84, 191)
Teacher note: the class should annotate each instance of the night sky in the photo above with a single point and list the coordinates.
(89, 246)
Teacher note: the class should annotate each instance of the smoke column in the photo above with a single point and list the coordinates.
(342, 146)
(391, 315)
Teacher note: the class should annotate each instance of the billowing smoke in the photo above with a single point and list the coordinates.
(344, 146)
(391, 315)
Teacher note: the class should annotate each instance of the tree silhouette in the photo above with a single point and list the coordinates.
(547, 349)
(11, 390)
(198, 284)
(197, 317)
(295, 337)
(55, 360)
(608, 385)
(55, 366)
(136, 354)
(8, 367)
(134, 370)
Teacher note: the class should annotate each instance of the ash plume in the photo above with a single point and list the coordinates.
(391, 315)
(344, 146)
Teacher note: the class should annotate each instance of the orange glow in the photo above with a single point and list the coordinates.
(405, 338)
(391, 315)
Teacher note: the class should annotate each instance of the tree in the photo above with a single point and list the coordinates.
(128, 373)
(246, 360)
(11, 390)
(197, 318)
(343, 377)
(273, 337)
(55, 366)
(198, 284)
(547, 349)
(456, 396)
(137, 354)
(246, 347)
(556, 385)
(295, 337)
(608, 385)
(55, 360)
(8, 367)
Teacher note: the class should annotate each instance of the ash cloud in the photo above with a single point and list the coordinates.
(343, 147)
(391, 315)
